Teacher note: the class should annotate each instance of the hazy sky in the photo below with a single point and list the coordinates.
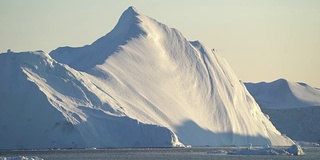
(262, 40)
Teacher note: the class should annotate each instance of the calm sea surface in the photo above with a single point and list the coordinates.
(153, 153)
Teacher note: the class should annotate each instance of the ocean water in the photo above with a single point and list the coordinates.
(152, 153)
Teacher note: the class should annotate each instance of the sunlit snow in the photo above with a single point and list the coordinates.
(141, 85)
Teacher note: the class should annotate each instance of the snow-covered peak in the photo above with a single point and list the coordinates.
(282, 93)
(131, 11)
(132, 24)
(134, 9)
(129, 19)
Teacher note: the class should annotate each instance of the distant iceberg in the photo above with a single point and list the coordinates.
(293, 108)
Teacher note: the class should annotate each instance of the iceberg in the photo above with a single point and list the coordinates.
(293, 107)
(141, 85)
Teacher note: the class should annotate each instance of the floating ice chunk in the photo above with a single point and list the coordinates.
(188, 146)
(259, 151)
(295, 150)
(21, 158)
(218, 152)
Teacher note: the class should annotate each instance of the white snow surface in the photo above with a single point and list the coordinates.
(294, 108)
(141, 85)
(45, 104)
(282, 94)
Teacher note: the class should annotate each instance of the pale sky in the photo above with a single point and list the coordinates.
(262, 40)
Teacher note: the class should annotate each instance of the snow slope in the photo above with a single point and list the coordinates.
(157, 76)
(294, 108)
(44, 104)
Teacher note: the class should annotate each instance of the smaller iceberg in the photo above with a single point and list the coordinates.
(293, 150)
(296, 150)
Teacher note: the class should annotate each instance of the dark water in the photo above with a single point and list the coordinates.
(154, 154)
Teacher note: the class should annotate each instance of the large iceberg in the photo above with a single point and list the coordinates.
(141, 85)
